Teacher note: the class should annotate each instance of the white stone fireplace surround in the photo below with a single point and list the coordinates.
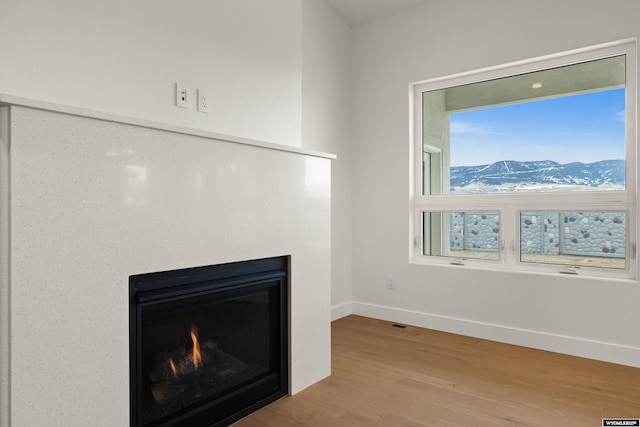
(89, 199)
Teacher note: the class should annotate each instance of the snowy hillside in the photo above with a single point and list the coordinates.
(509, 175)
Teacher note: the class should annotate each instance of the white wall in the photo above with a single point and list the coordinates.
(589, 317)
(124, 57)
(326, 125)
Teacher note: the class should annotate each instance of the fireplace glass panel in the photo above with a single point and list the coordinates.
(194, 352)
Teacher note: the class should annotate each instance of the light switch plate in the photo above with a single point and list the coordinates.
(182, 96)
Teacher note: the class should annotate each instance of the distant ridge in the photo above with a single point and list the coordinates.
(511, 175)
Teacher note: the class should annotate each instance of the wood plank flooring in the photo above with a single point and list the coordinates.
(388, 376)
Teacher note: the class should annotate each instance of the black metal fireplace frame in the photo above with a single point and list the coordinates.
(215, 279)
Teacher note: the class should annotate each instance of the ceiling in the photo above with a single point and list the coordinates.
(358, 12)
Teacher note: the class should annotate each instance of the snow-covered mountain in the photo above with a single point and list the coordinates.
(545, 175)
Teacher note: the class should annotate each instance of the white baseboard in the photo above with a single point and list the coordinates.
(608, 352)
(341, 310)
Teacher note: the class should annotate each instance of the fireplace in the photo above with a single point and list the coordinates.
(208, 345)
(121, 196)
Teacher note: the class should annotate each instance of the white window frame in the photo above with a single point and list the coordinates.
(510, 205)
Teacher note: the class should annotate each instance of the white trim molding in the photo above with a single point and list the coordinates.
(603, 351)
(341, 310)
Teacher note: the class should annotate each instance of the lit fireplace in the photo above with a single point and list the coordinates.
(208, 344)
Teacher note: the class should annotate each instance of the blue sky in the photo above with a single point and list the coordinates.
(580, 128)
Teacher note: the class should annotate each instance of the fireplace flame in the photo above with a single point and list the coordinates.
(197, 358)
(173, 367)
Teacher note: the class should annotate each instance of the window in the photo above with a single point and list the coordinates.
(529, 166)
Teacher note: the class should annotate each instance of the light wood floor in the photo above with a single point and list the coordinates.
(386, 376)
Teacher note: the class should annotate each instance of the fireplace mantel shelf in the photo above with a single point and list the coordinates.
(8, 100)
